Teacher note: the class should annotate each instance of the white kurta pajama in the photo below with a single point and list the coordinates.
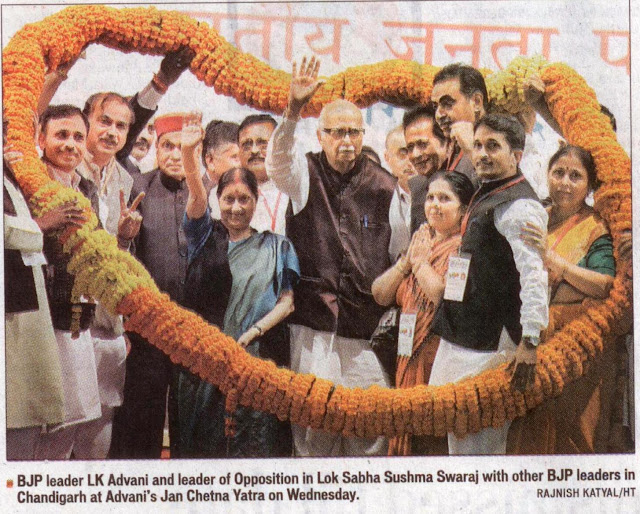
(34, 390)
(344, 361)
(454, 363)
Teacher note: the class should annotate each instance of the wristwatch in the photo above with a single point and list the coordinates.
(531, 342)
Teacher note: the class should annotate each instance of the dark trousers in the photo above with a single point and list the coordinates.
(138, 424)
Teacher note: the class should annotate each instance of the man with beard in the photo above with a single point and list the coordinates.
(427, 152)
(397, 158)
(161, 246)
(339, 223)
(254, 134)
(503, 299)
(460, 99)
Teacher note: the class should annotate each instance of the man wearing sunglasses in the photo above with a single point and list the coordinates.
(339, 224)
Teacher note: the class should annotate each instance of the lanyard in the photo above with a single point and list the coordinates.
(453, 162)
(272, 214)
(473, 206)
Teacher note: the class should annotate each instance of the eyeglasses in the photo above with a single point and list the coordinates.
(247, 145)
(339, 133)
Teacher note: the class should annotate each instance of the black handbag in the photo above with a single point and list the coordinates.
(384, 340)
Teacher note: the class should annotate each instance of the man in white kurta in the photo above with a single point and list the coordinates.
(347, 361)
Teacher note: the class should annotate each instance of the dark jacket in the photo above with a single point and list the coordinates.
(342, 239)
(492, 295)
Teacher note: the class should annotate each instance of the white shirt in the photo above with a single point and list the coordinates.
(71, 180)
(534, 167)
(271, 208)
(400, 219)
(509, 219)
(287, 166)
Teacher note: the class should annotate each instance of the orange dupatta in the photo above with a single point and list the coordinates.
(416, 369)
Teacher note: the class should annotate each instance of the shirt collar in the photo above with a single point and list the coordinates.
(67, 179)
(170, 183)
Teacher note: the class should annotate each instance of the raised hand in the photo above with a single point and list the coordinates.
(174, 64)
(304, 83)
(192, 131)
(12, 156)
(462, 133)
(68, 213)
(130, 220)
(191, 143)
(533, 88)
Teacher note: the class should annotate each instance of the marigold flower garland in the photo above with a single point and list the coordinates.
(119, 281)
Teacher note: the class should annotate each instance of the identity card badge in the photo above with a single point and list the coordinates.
(405, 334)
(457, 275)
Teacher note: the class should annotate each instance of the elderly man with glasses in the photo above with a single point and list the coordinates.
(339, 223)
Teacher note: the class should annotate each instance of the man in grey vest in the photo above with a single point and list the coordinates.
(339, 223)
(503, 299)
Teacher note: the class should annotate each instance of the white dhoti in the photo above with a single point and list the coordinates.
(346, 362)
(454, 363)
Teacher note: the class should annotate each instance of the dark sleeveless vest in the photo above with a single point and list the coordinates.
(20, 293)
(342, 240)
(58, 281)
(492, 295)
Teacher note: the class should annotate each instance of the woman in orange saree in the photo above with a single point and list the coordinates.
(579, 256)
(416, 284)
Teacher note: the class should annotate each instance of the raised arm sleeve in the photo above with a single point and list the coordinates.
(400, 237)
(287, 166)
(197, 232)
(144, 105)
(510, 219)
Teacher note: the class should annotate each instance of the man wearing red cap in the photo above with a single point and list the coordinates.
(162, 247)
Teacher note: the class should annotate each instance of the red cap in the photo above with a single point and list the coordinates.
(168, 123)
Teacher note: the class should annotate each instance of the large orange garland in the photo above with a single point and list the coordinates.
(119, 281)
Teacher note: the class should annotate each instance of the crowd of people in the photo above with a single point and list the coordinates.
(297, 255)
